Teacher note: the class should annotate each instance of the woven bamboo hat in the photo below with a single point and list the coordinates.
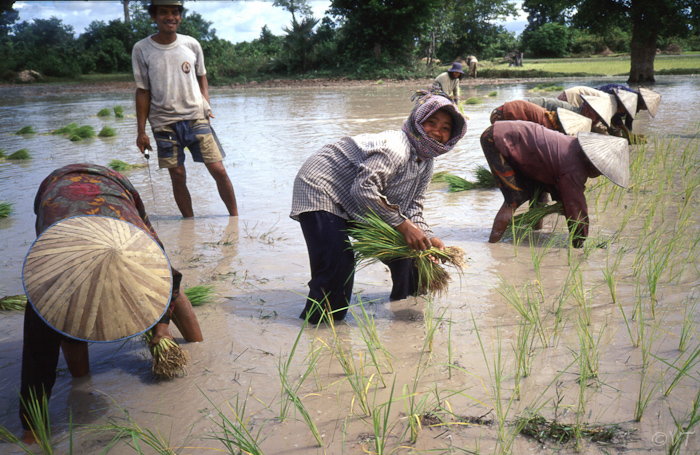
(609, 154)
(96, 278)
(628, 100)
(604, 106)
(572, 122)
(651, 99)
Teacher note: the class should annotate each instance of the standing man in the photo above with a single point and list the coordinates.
(448, 81)
(472, 62)
(172, 92)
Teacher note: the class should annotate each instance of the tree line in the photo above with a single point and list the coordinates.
(365, 39)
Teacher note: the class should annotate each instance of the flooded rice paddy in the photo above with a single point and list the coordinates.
(604, 336)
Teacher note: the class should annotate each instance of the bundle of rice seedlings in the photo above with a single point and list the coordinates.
(534, 215)
(13, 303)
(121, 166)
(457, 184)
(106, 112)
(494, 93)
(3, 154)
(85, 131)
(484, 177)
(375, 240)
(107, 131)
(547, 88)
(6, 209)
(68, 129)
(439, 176)
(200, 294)
(21, 154)
(473, 100)
(26, 130)
(118, 111)
(169, 359)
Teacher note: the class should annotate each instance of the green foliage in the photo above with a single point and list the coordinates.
(68, 129)
(473, 100)
(21, 154)
(549, 40)
(3, 154)
(106, 112)
(6, 209)
(118, 111)
(107, 131)
(26, 130)
(200, 295)
(84, 132)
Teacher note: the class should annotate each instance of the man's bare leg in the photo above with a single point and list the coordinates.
(185, 320)
(223, 184)
(500, 223)
(178, 177)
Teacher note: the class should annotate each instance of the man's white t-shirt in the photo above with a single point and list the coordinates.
(170, 72)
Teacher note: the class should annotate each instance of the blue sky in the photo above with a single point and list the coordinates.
(234, 21)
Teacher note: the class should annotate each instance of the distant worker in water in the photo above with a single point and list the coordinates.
(448, 81)
(472, 63)
(385, 173)
(527, 159)
(173, 93)
(97, 272)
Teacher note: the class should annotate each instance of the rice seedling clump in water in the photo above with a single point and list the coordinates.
(473, 100)
(13, 303)
(2, 153)
(21, 154)
(375, 241)
(106, 112)
(68, 129)
(534, 215)
(169, 359)
(119, 111)
(107, 131)
(6, 209)
(26, 130)
(200, 294)
(121, 166)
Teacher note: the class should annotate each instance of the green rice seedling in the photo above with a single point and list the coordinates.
(118, 111)
(647, 389)
(484, 177)
(301, 409)
(68, 129)
(583, 298)
(457, 184)
(138, 437)
(105, 112)
(292, 380)
(591, 345)
(354, 371)
(634, 337)
(169, 359)
(493, 93)
(84, 132)
(684, 427)
(526, 302)
(26, 130)
(6, 209)
(688, 327)
(376, 240)
(381, 424)
(13, 303)
(524, 350)
(473, 100)
(107, 131)
(19, 155)
(547, 88)
(122, 166)
(201, 294)
(450, 352)
(525, 222)
(682, 368)
(369, 335)
(236, 433)
(39, 424)
(3, 153)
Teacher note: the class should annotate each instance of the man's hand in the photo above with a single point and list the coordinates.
(415, 237)
(143, 142)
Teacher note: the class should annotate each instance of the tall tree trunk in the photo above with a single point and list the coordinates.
(645, 30)
(126, 11)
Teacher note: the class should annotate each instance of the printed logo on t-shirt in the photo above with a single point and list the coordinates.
(186, 67)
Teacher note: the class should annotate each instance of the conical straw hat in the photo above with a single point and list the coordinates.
(96, 278)
(609, 154)
(628, 100)
(604, 106)
(651, 99)
(573, 122)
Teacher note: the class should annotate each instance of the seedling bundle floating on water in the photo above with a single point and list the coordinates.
(76, 133)
(106, 112)
(121, 166)
(169, 359)
(21, 154)
(13, 303)
(107, 131)
(375, 241)
(484, 179)
(118, 111)
(26, 130)
(6, 209)
(200, 294)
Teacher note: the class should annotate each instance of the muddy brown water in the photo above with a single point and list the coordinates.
(259, 267)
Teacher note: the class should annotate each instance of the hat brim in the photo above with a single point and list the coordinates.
(609, 154)
(651, 100)
(604, 106)
(573, 123)
(96, 278)
(628, 100)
